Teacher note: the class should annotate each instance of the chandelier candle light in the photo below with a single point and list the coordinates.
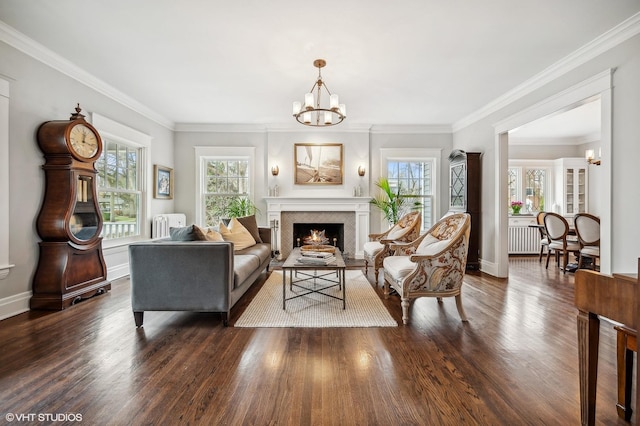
(312, 113)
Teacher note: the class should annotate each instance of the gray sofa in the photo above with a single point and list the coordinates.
(199, 276)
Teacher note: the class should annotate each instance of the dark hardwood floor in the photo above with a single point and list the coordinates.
(515, 362)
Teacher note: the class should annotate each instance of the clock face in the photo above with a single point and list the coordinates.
(83, 141)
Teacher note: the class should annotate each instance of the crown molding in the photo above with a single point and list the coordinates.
(30, 47)
(220, 128)
(412, 129)
(610, 39)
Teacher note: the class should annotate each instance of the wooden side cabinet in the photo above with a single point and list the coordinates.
(465, 187)
(71, 266)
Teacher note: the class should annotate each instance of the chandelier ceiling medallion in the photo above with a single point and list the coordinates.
(311, 113)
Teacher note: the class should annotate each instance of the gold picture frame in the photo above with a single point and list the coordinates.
(163, 182)
(318, 164)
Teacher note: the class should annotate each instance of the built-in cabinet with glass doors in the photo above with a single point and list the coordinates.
(571, 185)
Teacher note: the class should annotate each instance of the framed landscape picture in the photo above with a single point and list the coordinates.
(163, 182)
(318, 164)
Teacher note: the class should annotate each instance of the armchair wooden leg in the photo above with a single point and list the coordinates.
(463, 315)
(138, 317)
(405, 310)
(366, 266)
(386, 289)
(376, 271)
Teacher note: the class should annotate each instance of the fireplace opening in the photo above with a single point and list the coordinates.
(333, 232)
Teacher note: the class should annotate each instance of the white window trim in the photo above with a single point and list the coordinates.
(204, 153)
(548, 165)
(5, 266)
(117, 132)
(413, 154)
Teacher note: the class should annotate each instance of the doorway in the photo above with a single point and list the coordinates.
(597, 87)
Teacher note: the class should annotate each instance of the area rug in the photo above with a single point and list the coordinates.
(363, 306)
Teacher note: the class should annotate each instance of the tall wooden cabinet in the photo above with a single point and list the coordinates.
(465, 196)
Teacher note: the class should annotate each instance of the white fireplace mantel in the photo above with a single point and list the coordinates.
(358, 205)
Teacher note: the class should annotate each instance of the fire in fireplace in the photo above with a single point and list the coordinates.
(318, 233)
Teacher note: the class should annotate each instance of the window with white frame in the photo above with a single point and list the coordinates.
(122, 169)
(414, 172)
(528, 184)
(119, 192)
(224, 174)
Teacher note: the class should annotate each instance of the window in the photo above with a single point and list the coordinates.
(527, 184)
(223, 175)
(122, 168)
(415, 172)
(225, 179)
(119, 193)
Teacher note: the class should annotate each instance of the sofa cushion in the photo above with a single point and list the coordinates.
(237, 234)
(243, 267)
(372, 247)
(250, 223)
(260, 250)
(183, 233)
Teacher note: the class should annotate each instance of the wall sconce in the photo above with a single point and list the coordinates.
(275, 170)
(590, 156)
(361, 170)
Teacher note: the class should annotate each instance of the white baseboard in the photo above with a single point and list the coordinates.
(14, 305)
(118, 271)
(489, 268)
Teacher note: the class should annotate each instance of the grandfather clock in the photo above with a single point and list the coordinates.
(71, 266)
(465, 196)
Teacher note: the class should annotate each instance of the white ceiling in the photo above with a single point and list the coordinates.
(408, 62)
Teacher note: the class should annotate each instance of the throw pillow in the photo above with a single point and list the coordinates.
(434, 248)
(237, 234)
(250, 223)
(396, 232)
(183, 233)
(426, 241)
(208, 234)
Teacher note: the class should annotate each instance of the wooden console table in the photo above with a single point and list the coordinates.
(613, 297)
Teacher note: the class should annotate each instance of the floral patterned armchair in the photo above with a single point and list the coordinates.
(377, 248)
(431, 266)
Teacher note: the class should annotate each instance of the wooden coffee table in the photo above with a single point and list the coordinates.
(311, 280)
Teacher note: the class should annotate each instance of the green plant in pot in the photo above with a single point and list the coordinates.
(393, 205)
(238, 206)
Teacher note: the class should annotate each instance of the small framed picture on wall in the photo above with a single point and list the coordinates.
(163, 179)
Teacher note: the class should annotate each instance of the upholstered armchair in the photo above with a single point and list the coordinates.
(432, 265)
(377, 248)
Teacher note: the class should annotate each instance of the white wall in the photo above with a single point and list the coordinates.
(40, 93)
(625, 58)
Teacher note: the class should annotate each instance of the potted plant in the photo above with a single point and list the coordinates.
(393, 205)
(515, 207)
(237, 206)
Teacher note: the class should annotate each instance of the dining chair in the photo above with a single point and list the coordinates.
(544, 241)
(588, 232)
(557, 229)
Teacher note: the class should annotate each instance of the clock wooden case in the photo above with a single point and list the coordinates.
(465, 196)
(71, 266)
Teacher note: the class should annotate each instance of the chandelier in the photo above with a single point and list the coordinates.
(311, 113)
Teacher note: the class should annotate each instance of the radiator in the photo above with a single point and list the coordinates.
(162, 222)
(524, 240)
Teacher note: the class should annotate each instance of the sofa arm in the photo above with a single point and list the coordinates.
(181, 276)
